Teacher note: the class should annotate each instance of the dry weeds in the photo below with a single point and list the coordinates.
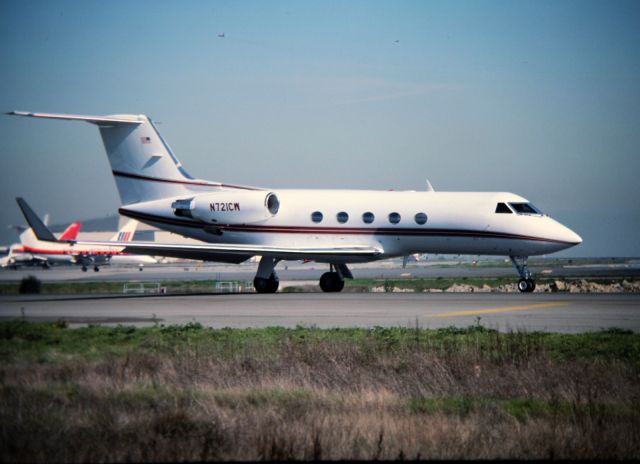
(318, 398)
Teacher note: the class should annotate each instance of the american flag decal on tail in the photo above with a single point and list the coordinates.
(124, 236)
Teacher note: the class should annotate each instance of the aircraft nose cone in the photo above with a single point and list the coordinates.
(570, 236)
(578, 239)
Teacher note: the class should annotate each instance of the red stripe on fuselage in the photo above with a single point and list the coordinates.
(422, 232)
(46, 251)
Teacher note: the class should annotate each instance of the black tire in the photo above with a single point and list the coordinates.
(523, 286)
(531, 284)
(96, 269)
(269, 285)
(84, 268)
(260, 284)
(273, 283)
(331, 282)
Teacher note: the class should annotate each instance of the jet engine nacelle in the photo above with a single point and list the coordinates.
(229, 207)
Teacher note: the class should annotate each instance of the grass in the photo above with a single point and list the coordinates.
(73, 288)
(192, 393)
(351, 285)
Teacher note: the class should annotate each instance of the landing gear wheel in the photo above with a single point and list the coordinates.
(331, 282)
(84, 268)
(523, 285)
(273, 283)
(526, 285)
(532, 285)
(269, 285)
(96, 269)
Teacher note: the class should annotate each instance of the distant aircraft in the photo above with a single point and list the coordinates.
(33, 251)
(221, 35)
(336, 227)
(19, 256)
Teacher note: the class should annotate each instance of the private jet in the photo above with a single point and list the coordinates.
(336, 227)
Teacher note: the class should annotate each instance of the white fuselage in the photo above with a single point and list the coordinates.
(40, 251)
(457, 222)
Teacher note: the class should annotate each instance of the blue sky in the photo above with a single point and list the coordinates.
(537, 98)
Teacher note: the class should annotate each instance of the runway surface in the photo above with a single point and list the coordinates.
(567, 313)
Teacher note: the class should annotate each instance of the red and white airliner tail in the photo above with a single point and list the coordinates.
(71, 232)
(336, 227)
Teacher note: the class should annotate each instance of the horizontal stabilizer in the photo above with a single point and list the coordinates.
(42, 232)
(99, 120)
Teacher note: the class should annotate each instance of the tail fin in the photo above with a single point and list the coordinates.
(38, 229)
(71, 232)
(126, 233)
(142, 163)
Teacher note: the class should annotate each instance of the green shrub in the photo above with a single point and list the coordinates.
(30, 284)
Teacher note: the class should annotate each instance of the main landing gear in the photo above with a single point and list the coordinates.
(266, 279)
(268, 285)
(333, 281)
(526, 284)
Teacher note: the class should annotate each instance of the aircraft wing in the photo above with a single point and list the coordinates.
(208, 251)
(235, 253)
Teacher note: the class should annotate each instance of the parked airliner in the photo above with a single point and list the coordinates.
(62, 252)
(19, 255)
(336, 227)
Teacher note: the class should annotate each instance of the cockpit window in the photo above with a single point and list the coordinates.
(524, 208)
(503, 209)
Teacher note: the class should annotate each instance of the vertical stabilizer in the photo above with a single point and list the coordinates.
(142, 163)
(71, 232)
(126, 233)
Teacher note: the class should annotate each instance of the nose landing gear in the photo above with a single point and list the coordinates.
(526, 284)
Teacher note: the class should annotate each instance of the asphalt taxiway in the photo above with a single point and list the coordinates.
(567, 313)
(311, 271)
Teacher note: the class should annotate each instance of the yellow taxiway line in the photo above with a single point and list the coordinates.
(507, 309)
